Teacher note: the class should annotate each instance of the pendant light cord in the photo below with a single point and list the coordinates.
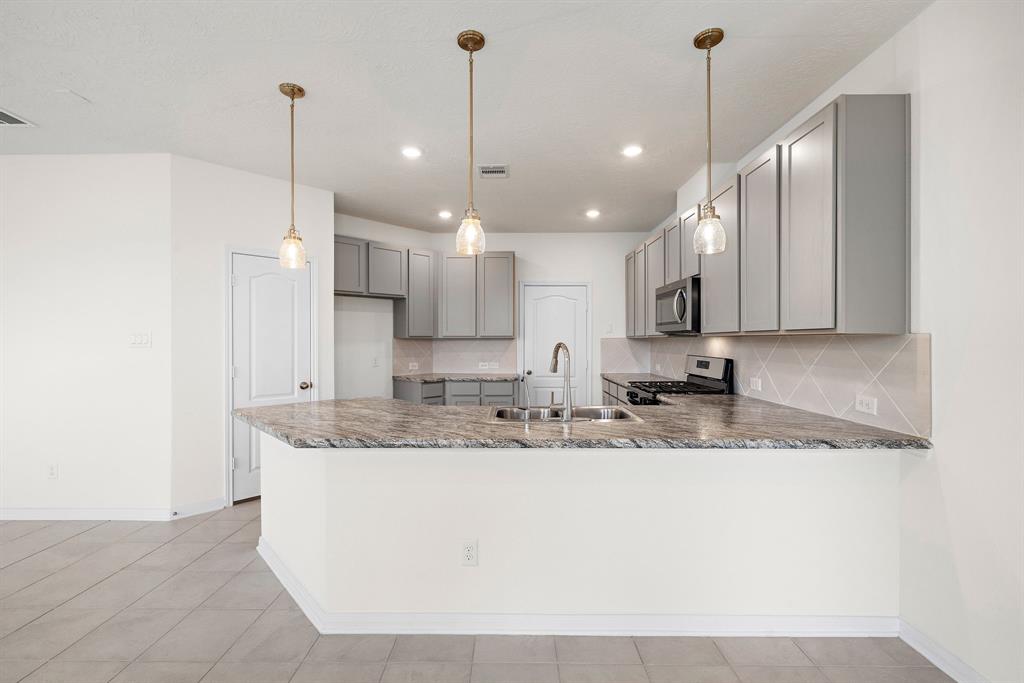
(708, 206)
(292, 115)
(469, 181)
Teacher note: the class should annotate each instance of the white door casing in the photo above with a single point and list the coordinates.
(551, 313)
(271, 352)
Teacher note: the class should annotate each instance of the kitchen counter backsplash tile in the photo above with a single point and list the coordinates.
(820, 373)
(454, 355)
(418, 351)
(619, 354)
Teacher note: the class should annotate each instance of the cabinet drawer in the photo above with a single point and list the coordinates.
(434, 401)
(462, 401)
(462, 388)
(432, 390)
(496, 400)
(497, 388)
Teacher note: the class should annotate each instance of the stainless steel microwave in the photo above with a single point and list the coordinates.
(677, 307)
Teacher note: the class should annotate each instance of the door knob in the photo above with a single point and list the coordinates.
(304, 385)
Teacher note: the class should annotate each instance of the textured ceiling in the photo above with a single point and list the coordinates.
(561, 87)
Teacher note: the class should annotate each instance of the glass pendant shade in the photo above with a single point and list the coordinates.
(292, 254)
(709, 237)
(470, 239)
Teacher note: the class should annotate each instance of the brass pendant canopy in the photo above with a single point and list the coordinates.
(708, 38)
(471, 41)
(292, 253)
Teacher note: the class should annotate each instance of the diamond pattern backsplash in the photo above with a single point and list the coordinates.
(820, 373)
(454, 355)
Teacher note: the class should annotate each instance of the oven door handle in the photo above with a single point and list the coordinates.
(680, 295)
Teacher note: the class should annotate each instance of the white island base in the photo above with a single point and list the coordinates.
(585, 541)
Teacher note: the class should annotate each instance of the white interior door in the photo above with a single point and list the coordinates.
(552, 314)
(271, 351)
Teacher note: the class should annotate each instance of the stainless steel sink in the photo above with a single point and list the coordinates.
(513, 414)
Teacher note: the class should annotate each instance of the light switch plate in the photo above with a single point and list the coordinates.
(140, 340)
(414, 366)
(755, 383)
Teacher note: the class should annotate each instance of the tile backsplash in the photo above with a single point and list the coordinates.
(619, 354)
(454, 355)
(820, 373)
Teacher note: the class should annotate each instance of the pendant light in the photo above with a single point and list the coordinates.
(470, 239)
(292, 254)
(709, 237)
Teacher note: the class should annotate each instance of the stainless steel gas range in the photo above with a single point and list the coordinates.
(704, 375)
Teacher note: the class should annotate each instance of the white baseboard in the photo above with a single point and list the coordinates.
(571, 624)
(118, 514)
(197, 508)
(954, 667)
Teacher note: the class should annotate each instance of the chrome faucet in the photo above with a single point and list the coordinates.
(567, 390)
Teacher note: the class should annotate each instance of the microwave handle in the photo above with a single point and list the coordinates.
(675, 305)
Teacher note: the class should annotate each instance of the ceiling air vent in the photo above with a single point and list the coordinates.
(9, 119)
(492, 170)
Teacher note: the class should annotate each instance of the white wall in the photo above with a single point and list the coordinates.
(962, 551)
(214, 208)
(363, 330)
(86, 262)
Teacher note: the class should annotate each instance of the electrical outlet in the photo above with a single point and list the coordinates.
(376, 362)
(493, 365)
(657, 368)
(414, 366)
(53, 472)
(470, 553)
(482, 365)
(755, 383)
(140, 340)
(866, 404)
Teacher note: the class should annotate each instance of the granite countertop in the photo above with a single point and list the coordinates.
(727, 421)
(624, 378)
(457, 377)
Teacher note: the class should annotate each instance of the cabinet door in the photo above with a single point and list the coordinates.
(350, 264)
(630, 281)
(689, 259)
(639, 292)
(420, 300)
(759, 243)
(808, 225)
(496, 293)
(720, 273)
(673, 253)
(654, 255)
(457, 307)
(388, 275)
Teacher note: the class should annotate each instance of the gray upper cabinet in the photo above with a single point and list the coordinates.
(843, 218)
(673, 252)
(350, 265)
(689, 260)
(654, 258)
(759, 243)
(720, 273)
(808, 258)
(387, 267)
(630, 282)
(496, 282)
(415, 315)
(639, 292)
(457, 296)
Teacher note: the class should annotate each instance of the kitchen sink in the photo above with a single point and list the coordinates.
(514, 414)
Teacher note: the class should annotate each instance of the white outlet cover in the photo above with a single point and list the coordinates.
(414, 366)
(140, 340)
(492, 365)
(469, 553)
(482, 365)
(866, 404)
(755, 383)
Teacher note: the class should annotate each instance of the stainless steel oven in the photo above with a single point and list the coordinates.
(677, 307)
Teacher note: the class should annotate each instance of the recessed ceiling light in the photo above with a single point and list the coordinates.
(632, 150)
(412, 152)
(593, 213)
(445, 214)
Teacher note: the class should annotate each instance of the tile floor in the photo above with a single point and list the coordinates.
(189, 600)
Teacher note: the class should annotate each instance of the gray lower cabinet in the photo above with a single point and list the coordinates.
(759, 243)
(350, 265)
(689, 260)
(630, 282)
(388, 274)
(495, 295)
(457, 295)
(654, 260)
(462, 393)
(720, 273)
(419, 392)
(454, 393)
(843, 218)
(639, 292)
(415, 315)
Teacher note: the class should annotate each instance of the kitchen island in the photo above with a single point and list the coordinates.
(722, 514)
